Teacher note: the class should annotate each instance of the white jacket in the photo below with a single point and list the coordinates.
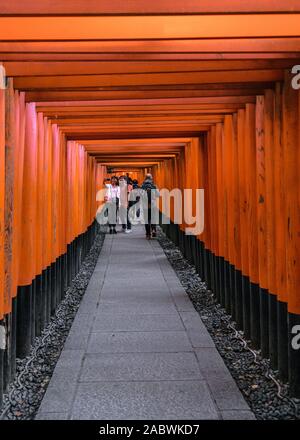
(112, 193)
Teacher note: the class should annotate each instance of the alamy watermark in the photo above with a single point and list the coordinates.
(185, 206)
(2, 78)
(296, 79)
(295, 342)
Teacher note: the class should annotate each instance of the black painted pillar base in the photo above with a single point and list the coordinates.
(53, 295)
(208, 269)
(238, 299)
(273, 334)
(294, 354)
(212, 270)
(65, 273)
(7, 321)
(202, 264)
(1, 371)
(263, 318)
(282, 326)
(246, 289)
(188, 248)
(227, 287)
(217, 277)
(255, 315)
(24, 321)
(38, 306)
(264, 322)
(69, 264)
(49, 294)
(33, 308)
(57, 286)
(14, 336)
(36, 303)
(232, 291)
(44, 295)
(222, 281)
(193, 249)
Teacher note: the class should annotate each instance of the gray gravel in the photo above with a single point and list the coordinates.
(260, 391)
(34, 372)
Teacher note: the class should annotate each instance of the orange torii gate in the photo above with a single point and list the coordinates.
(198, 93)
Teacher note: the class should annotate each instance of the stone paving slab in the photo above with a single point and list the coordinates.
(143, 342)
(59, 396)
(137, 307)
(237, 415)
(138, 349)
(144, 401)
(140, 367)
(136, 322)
(52, 416)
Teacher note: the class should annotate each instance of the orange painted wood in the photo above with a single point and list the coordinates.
(48, 189)
(144, 7)
(291, 181)
(215, 190)
(9, 193)
(288, 45)
(69, 191)
(144, 50)
(24, 68)
(182, 175)
(40, 199)
(28, 248)
(196, 104)
(262, 199)
(195, 172)
(280, 198)
(220, 187)
(236, 196)
(2, 197)
(271, 218)
(225, 172)
(229, 190)
(75, 95)
(142, 104)
(243, 194)
(18, 180)
(90, 81)
(55, 192)
(251, 191)
(212, 187)
(143, 27)
(42, 133)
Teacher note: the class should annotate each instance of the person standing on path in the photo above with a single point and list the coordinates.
(112, 198)
(150, 194)
(125, 204)
(135, 197)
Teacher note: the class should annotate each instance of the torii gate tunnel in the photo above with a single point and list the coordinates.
(204, 95)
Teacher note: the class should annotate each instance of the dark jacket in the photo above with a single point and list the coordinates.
(151, 190)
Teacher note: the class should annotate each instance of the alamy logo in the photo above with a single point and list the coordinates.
(296, 78)
(2, 78)
(2, 337)
(187, 208)
(296, 339)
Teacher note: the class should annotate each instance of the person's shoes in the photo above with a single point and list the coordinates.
(114, 231)
(153, 234)
(128, 231)
(148, 237)
(110, 231)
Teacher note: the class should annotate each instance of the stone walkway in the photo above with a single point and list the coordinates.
(137, 348)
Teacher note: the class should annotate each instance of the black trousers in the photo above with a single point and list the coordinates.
(115, 208)
(149, 227)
